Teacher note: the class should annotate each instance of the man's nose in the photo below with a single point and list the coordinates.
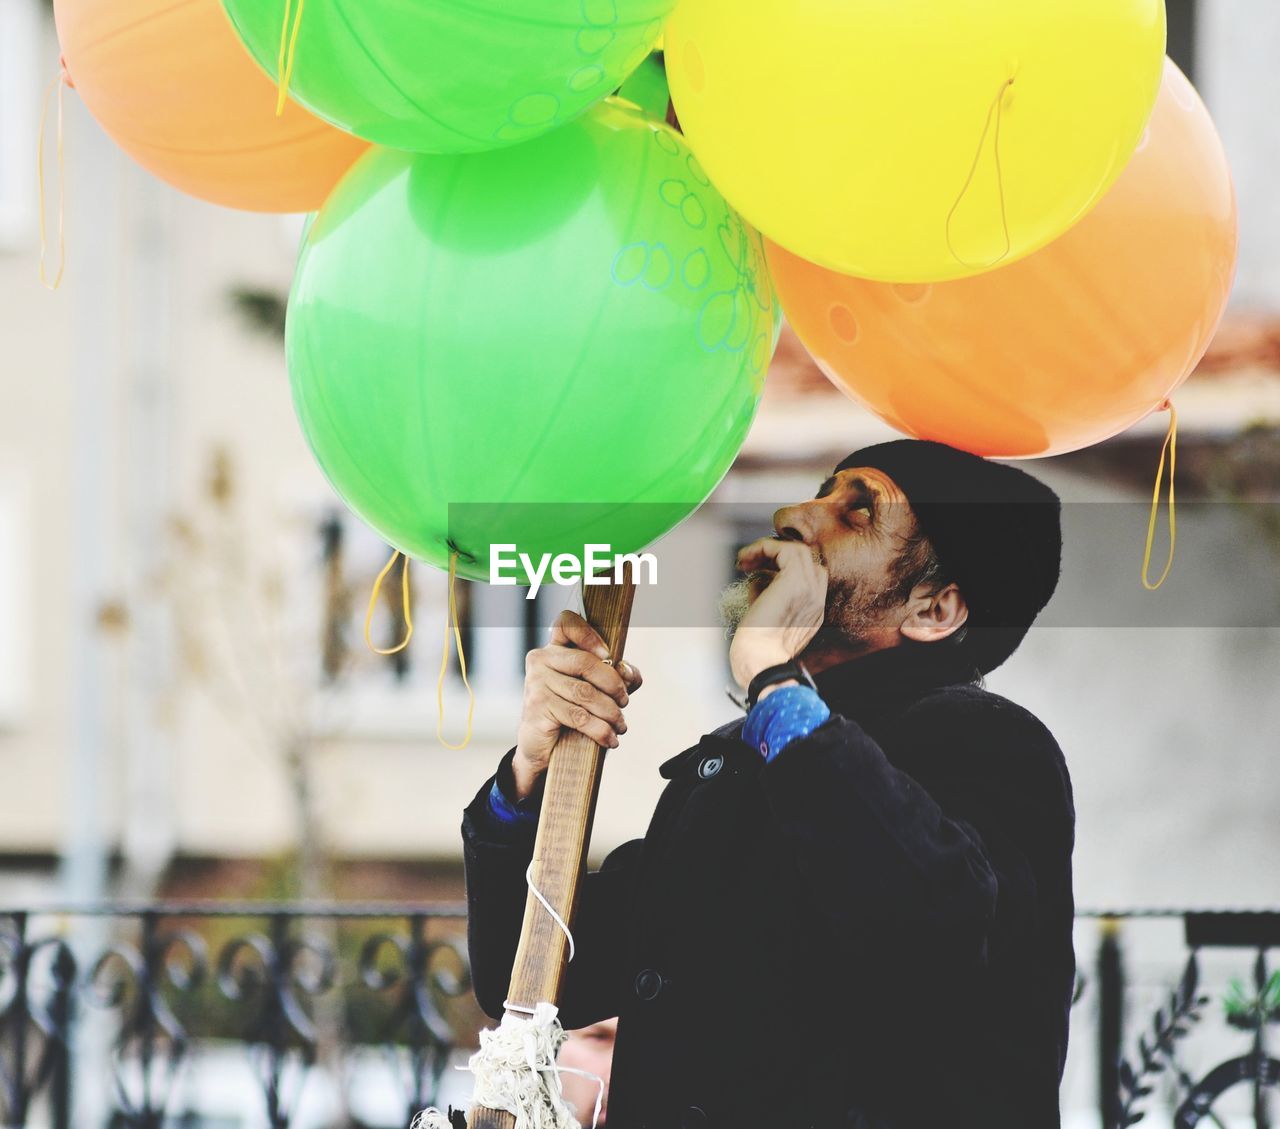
(794, 523)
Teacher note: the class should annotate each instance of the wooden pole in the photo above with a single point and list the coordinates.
(564, 834)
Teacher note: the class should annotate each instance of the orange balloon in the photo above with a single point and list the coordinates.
(169, 81)
(1064, 348)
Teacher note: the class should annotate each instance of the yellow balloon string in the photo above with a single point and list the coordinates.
(996, 108)
(1171, 449)
(288, 50)
(61, 84)
(452, 624)
(373, 603)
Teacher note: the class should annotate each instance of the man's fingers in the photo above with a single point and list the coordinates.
(577, 649)
(761, 554)
(582, 665)
(631, 676)
(582, 720)
(773, 553)
(578, 692)
(571, 630)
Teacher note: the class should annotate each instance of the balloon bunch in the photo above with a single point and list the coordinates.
(524, 316)
(527, 314)
(1008, 227)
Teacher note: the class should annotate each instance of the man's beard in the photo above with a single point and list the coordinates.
(853, 608)
(735, 601)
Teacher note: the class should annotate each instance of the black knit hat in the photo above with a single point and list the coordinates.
(996, 530)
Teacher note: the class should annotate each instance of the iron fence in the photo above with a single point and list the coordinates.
(1176, 1031)
(1186, 1042)
(288, 986)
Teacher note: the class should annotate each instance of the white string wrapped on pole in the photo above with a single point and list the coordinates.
(515, 1071)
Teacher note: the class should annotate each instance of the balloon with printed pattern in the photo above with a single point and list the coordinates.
(552, 345)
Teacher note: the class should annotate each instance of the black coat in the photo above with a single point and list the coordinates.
(873, 930)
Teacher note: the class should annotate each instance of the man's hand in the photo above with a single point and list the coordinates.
(568, 685)
(786, 616)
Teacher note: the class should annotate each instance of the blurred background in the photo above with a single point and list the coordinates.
(230, 872)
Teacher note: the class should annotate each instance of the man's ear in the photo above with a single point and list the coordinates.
(932, 616)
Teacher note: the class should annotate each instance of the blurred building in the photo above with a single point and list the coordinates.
(185, 702)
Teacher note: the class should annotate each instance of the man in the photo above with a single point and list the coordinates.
(853, 908)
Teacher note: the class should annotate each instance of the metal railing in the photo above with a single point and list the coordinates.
(1196, 1046)
(129, 998)
(293, 985)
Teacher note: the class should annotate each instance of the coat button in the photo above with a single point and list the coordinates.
(648, 985)
(710, 766)
(695, 1117)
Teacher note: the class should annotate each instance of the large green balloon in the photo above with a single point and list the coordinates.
(452, 76)
(551, 345)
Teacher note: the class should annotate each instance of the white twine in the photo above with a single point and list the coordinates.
(528, 877)
(515, 1067)
(515, 1071)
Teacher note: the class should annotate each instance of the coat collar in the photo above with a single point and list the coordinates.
(897, 674)
(864, 687)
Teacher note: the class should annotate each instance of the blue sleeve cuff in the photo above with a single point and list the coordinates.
(788, 713)
(504, 811)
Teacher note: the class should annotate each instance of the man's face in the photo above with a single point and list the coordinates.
(860, 527)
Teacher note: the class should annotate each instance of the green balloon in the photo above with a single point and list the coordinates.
(553, 345)
(448, 76)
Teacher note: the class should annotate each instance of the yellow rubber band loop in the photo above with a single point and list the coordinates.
(996, 109)
(452, 624)
(373, 603)
(1171, 449)
(288, 50)
(61, 84)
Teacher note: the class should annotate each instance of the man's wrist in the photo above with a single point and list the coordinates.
(524, 778)
(746, 669)
(505, 807)
(790, 672)
(777, 686)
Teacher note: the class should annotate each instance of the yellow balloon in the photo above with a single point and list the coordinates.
(914, 140)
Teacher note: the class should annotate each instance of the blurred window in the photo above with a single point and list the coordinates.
(498, 625)
(395, 694)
